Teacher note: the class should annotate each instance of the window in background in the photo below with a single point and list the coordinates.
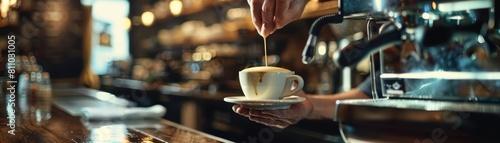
(110, 40)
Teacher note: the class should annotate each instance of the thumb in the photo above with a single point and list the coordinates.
(301, 93)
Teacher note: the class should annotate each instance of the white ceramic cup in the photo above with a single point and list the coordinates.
(269, 82)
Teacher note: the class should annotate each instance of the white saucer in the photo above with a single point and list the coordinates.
(262, 104)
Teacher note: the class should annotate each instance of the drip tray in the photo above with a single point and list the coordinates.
(400, 120)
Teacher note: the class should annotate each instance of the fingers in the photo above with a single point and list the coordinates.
(256, 8)
(261, 114)
(270, 15)
(276, 118)
(301, 93)
(292, 113)
(280, 18)
(292, 120)
(242, 111)
(268, 10)
(269, 122)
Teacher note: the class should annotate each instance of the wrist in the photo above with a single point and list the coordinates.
(309, 107)
(320, 106)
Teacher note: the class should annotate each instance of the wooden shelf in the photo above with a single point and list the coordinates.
(320, 8)
(191, 7)
(313, 9)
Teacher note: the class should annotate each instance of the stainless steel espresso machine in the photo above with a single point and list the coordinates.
(436, 78)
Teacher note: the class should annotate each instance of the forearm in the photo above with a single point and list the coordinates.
(324, 105)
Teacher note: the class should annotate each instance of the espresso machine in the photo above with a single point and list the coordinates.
(436, 76)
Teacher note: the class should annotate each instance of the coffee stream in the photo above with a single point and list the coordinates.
(260, 75)
(265, 49)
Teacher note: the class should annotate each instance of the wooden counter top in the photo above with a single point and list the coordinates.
(30, 123)
(178, 89)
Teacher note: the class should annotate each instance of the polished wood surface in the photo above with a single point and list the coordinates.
(320, 8)
(33, 123)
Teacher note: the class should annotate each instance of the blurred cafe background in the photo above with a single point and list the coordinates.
(182, 54)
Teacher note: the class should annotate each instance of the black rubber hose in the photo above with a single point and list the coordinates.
(496, 9)
(355, 52)
(309, 49)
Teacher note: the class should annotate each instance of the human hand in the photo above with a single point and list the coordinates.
(278, 118)
(271, 15)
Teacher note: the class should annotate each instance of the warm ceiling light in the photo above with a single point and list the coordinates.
(127, 23)
(13, 3)
(322, 48)
(176, 7)
(147, 18)
(236, 13)
(4, 8)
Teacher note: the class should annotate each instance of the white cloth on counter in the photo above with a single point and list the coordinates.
(123, 113)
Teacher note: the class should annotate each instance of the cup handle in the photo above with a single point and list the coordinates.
(289, 82)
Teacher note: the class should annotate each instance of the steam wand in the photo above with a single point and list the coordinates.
(309, 49)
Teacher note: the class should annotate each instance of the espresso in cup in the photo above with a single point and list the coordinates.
(266, 82)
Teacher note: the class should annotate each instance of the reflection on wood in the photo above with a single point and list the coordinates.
(64, 128)
(172, 134)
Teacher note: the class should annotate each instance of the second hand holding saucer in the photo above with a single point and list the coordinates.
(265, 104)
